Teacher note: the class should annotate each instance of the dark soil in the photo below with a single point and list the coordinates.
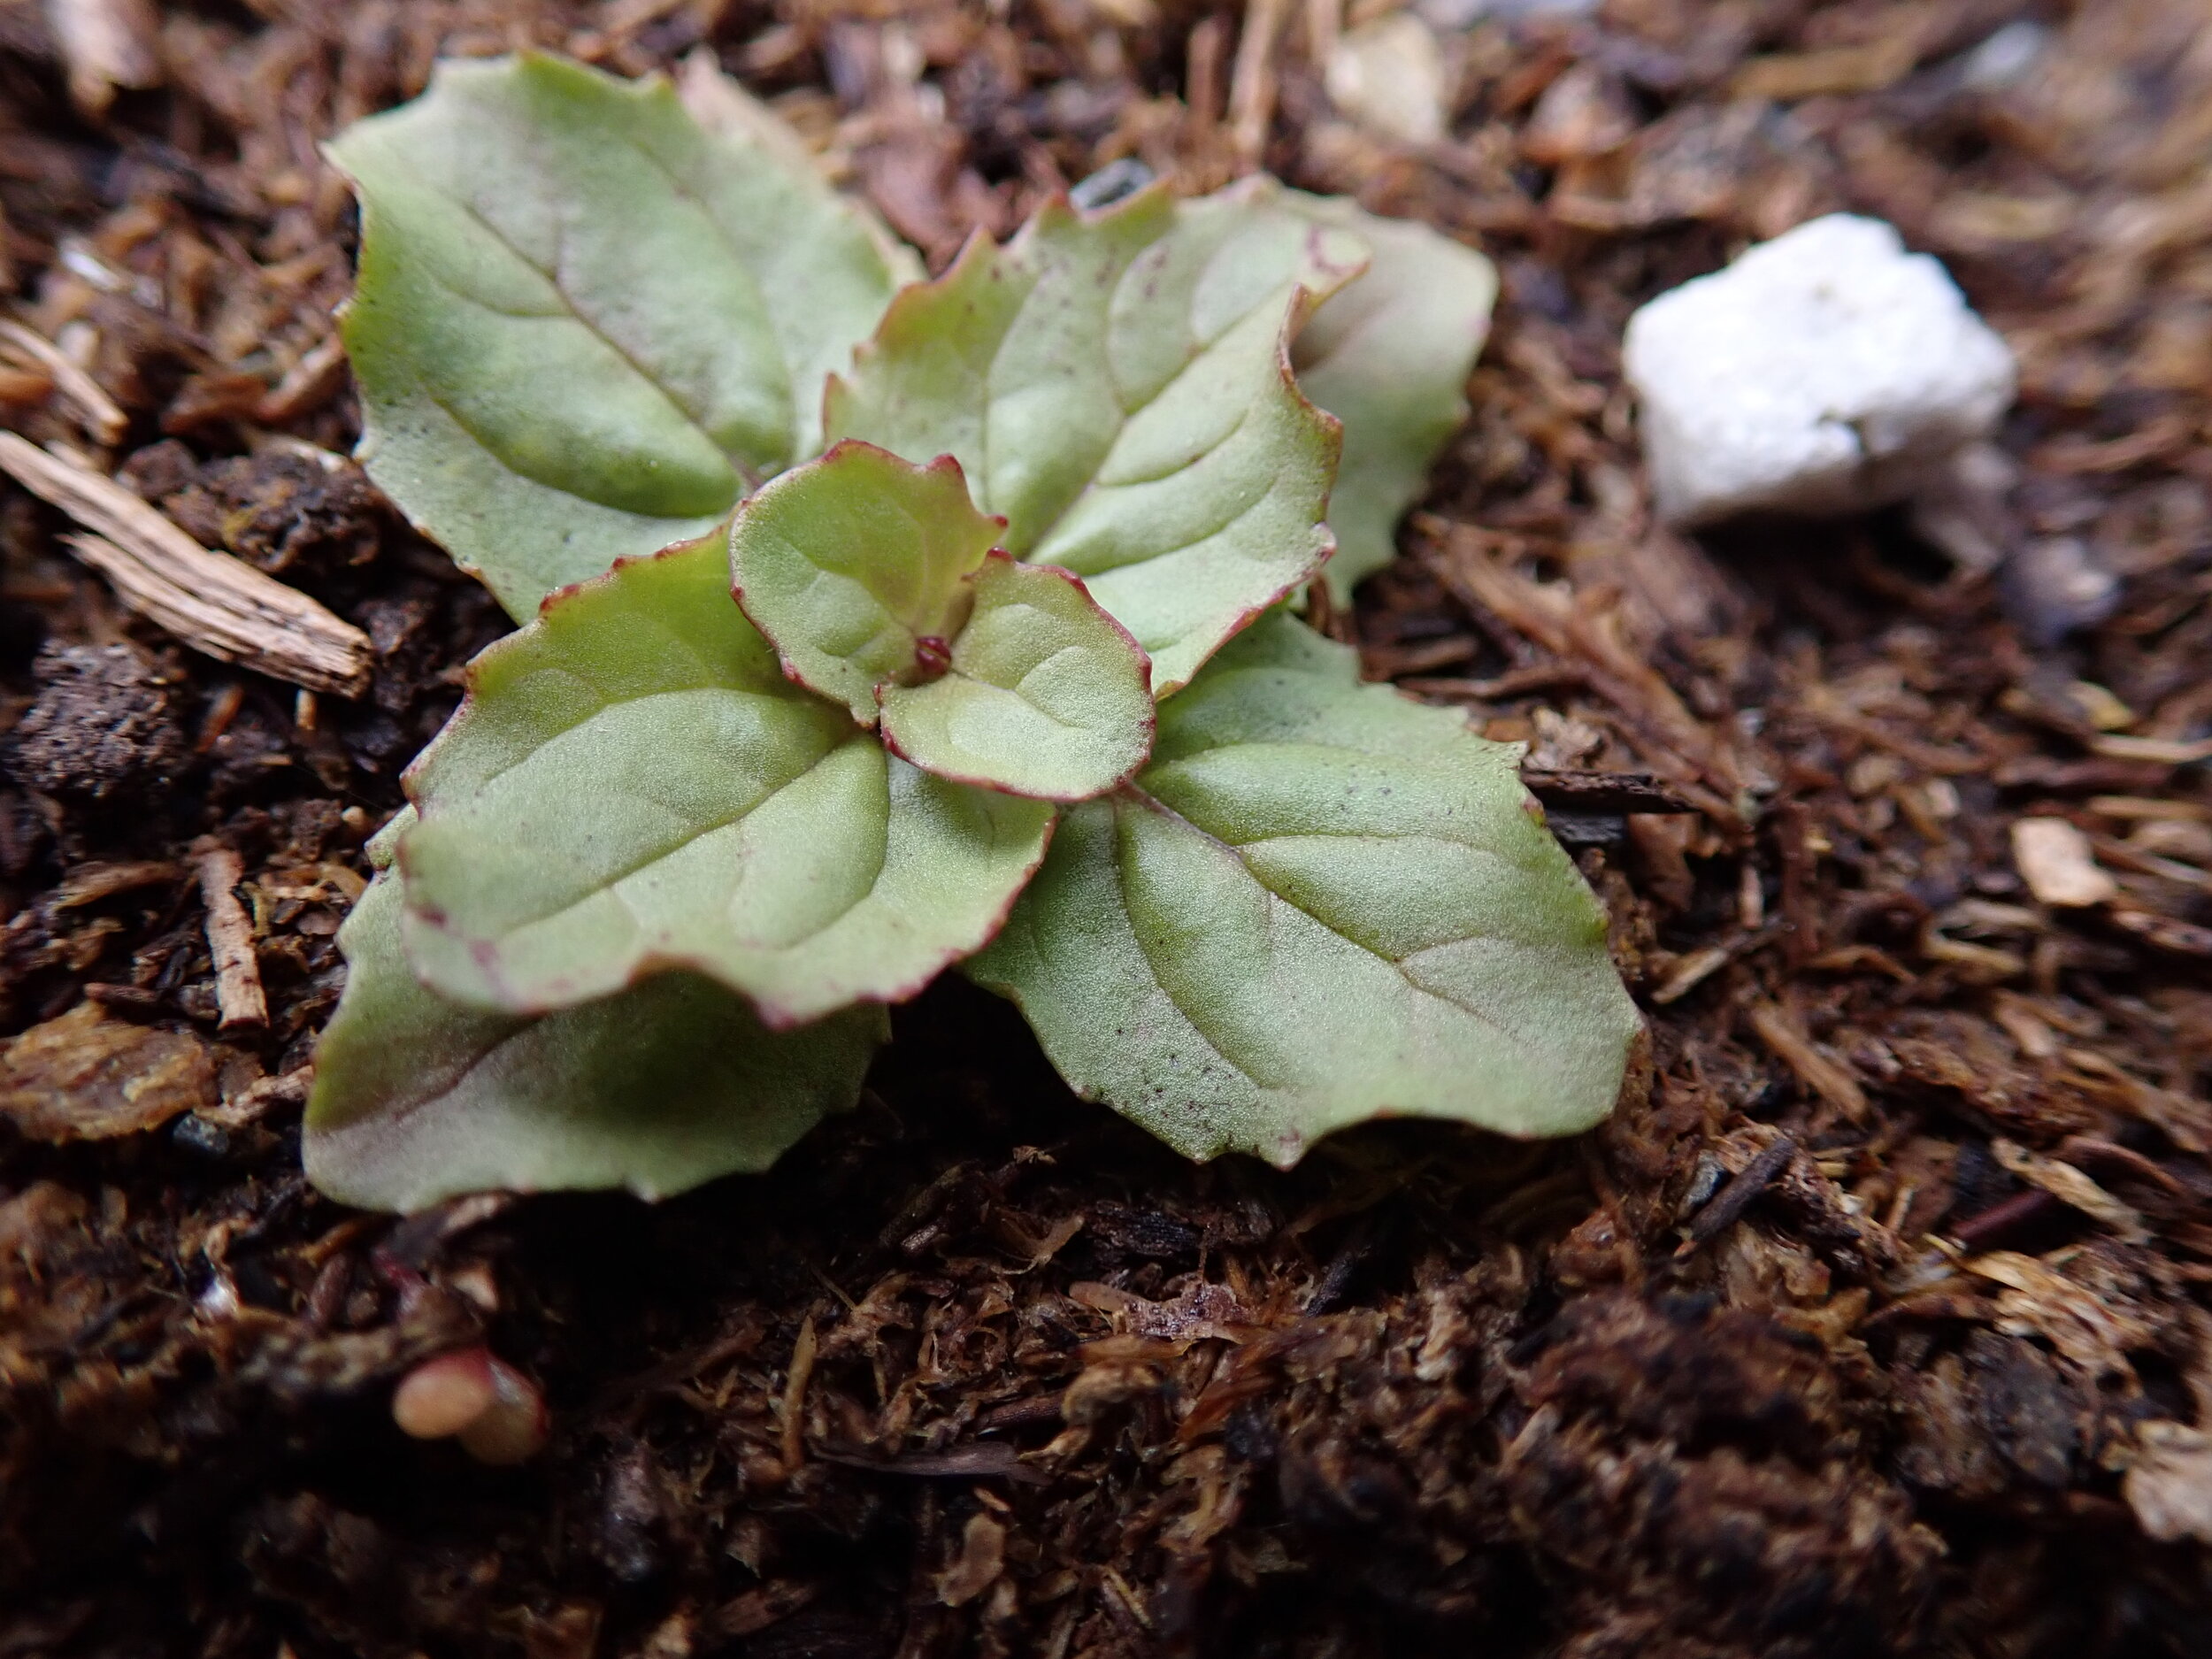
(1876, 1321)
(104, 727)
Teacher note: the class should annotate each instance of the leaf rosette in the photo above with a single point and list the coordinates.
(1001, 678)
(1118, 387)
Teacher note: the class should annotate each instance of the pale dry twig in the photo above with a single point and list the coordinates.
(92, 406)
(212, 601)
(238, 992)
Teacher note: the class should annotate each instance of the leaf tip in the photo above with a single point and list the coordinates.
(1337, 253)
(948, 466)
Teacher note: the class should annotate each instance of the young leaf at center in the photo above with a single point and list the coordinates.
(1320, 904)
(857, 568)
(633, 785)
(1046, 696)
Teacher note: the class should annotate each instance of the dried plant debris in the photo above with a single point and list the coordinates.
(87, 1076)
(1874, 1322)
(226, 608)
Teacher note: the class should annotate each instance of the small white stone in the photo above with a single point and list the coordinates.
(1825, 372)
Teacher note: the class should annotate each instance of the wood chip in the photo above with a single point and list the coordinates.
(2183, 1120)
(2055, 861)
(2100, 706)
(2071, 1188)
(87, 883)
(230, 940)
(1699, 765)
(2169, 1487)
(307, 384)
(2166, 932)
(1837, 70)
(981, 1559)
(1388, 75)
(2140, 809)
(212, 601)
(1252, 84)
(1817, 1070)
(1986, 1227)
(1690, 972)
(260, 1097)
(978, 1460)
(1731, 1200)
(757, 1609)
(2164, 751)
(2025, 1025)
(1586, 791)
(2147, 863)
(88, 1077)
(803, 1352)
(95, 410)
(2094, 1333)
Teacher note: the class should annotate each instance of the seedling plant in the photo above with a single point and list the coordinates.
(873, 627)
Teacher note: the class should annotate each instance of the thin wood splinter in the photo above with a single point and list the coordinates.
(1731, 1200)
(95, 410)
(230, 940)
(211, 601)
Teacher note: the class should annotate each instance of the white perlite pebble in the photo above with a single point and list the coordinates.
(1825, 372)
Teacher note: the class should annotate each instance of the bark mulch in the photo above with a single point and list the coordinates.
(1876, 1321)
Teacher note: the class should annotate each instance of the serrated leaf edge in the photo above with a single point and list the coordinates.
(773, 1015)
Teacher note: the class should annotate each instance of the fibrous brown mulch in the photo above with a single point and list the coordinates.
(1875, 1323)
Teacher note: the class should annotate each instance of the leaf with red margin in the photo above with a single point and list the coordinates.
(857, 567)
(1118, 387)
(585, 322)
(1319, 904)
(655, 1088)
(1046, 695)
(634, 786)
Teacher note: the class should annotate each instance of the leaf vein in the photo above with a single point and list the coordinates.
(591, 325)
(1397, 963)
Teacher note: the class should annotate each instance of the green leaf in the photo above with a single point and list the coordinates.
(850, 562)
(1046, 696)
(633, 785)
(722, 105)
(1118, 387)
(1389, 356)
(656, 1089)
(584, 325)
(1319, 904)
